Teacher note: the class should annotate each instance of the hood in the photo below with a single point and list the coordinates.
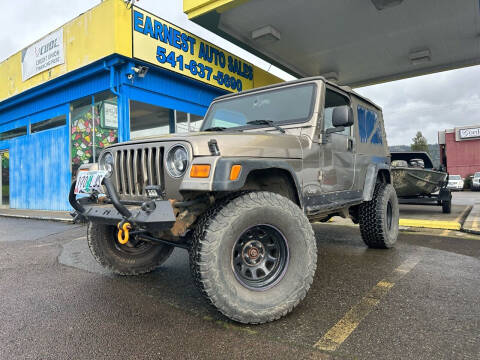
(251, 144)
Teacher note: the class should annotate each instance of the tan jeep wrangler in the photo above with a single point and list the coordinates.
(240, 194)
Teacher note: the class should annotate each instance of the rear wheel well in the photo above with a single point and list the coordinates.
(383, 176)
(274, 180)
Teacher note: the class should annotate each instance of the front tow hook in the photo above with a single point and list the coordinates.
(123, 232)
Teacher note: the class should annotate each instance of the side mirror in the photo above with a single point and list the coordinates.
(342, 116)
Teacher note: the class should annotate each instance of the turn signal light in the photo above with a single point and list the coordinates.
(235, 172)
(200, 171)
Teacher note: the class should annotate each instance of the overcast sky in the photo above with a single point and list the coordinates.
(426, 103)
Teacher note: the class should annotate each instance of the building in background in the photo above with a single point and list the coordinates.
(112, 74)
(460, 150)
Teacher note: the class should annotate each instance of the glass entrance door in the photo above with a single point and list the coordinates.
(4, 179)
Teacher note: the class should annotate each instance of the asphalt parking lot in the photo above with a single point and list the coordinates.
(417, 301)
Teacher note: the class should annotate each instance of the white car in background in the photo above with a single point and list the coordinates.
(455, 182)
(476, 181)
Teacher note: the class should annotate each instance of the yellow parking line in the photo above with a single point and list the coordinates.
(432, 224)
(342, 329)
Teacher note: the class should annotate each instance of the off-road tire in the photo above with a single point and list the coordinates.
(377, 230)
(446, 206)
(105, 249)
(211, 257)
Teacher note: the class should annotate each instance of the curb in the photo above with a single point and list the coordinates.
(34, 217)
(470, 231)
(472, 221)
(431, 224)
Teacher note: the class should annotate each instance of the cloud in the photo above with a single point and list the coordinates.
(24, 22)
(428, 103)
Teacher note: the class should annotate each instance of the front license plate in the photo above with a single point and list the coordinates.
(89, 181)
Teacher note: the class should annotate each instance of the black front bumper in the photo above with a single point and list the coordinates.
(159, 216)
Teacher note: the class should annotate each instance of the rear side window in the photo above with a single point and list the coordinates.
(10, 134)
(48, 124)
(369, 128)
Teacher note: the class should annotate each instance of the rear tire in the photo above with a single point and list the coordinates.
(124, 259)
(254, 257)
(378, 218)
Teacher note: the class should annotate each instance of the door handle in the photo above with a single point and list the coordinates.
(350, 144)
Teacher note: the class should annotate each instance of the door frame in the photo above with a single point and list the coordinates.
(2, 205)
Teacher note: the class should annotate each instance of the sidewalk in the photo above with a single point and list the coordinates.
(472, 222)
(63, 216)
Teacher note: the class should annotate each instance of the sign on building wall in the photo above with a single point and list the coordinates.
(170, 47)
(43, 55)
(469, 133)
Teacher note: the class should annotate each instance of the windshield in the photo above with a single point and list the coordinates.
(477, 175)
(455, 177)
(286, 105)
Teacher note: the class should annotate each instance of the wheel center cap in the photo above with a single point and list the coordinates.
(253, 252)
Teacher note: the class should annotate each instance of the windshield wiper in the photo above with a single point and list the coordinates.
(266, 122)
(216, 128)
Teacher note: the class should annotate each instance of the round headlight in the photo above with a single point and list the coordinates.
(107, 162)
(177, 161)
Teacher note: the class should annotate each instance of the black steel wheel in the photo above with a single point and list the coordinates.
(260, 257)
(254, 256)
(133, 258)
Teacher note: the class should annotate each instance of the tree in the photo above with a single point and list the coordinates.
(419, 143)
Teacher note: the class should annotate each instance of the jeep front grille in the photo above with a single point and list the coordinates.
(135, 168)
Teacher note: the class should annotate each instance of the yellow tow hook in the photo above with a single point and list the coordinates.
(123, 228)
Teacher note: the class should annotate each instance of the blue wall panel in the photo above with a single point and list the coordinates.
(40, 166)
(39, 170)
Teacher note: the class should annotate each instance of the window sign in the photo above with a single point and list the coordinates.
(110, 115)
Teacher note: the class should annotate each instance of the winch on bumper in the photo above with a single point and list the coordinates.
(154, 215)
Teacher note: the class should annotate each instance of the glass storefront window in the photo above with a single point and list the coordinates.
(10, 134)
(181, 122)
(90, 134)
(48, 124)
(149, 120)
(195, 122)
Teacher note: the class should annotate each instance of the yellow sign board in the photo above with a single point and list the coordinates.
(170, 47)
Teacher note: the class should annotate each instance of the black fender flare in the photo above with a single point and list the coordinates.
(371, 178)
(221, 181)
